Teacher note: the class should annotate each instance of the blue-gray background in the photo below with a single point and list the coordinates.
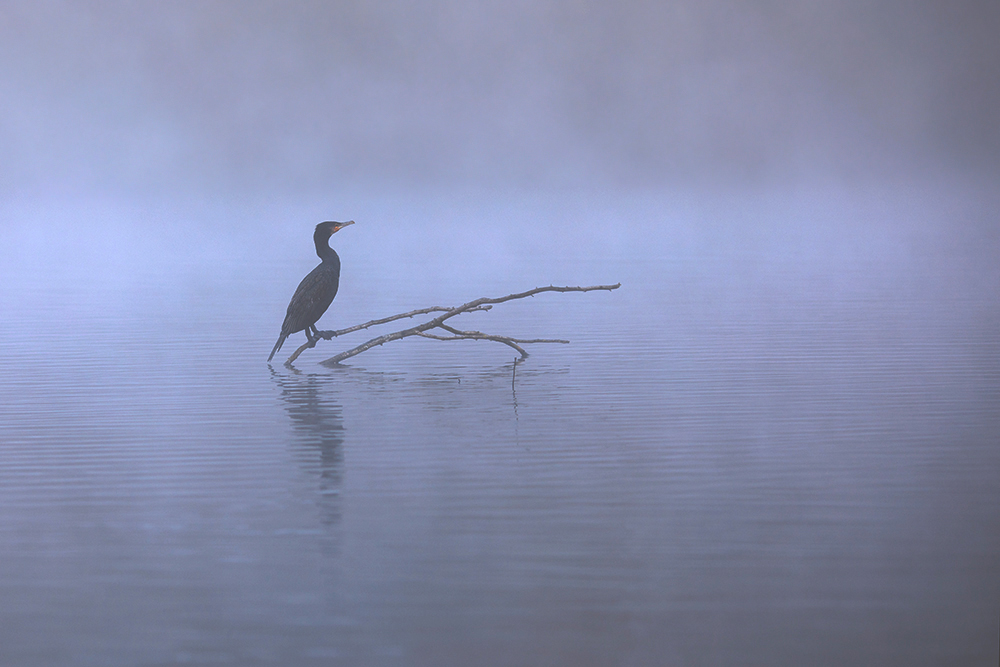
(775, 444)
(224, 98)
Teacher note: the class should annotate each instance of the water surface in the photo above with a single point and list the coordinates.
(775, 444)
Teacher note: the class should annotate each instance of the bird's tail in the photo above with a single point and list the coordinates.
(277, 346)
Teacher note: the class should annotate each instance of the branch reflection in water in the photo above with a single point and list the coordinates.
(318, 426)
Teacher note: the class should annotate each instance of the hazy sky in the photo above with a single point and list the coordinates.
(150, 97)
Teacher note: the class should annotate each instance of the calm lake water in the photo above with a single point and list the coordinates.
(776, 444)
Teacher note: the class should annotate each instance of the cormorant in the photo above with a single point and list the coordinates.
(316, 291)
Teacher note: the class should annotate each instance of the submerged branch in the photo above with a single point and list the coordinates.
(481, 304)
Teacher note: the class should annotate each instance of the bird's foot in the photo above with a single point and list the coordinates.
(326, 335)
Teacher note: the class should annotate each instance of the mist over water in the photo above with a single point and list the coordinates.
(263, 96)
(774, 444)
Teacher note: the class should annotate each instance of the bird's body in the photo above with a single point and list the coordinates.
(316, 291)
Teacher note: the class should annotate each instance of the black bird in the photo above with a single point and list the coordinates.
(316, 291)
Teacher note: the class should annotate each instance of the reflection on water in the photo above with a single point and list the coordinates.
(318, 428)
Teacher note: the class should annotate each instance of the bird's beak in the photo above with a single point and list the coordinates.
(341, 225)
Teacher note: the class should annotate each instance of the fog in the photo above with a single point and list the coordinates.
(226, 99)
(774, 444)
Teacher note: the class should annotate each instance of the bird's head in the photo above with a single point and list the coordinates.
(329, 228)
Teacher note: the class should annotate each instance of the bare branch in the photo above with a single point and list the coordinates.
(302, 348)
(329, 335)
(478, 335)
(481, 304)
(500, 339)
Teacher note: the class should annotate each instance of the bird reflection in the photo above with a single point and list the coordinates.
(318, 424)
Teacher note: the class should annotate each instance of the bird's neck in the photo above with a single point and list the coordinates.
(325, 252)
